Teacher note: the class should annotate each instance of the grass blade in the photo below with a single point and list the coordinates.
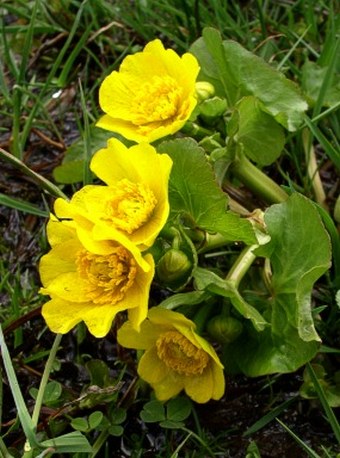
(38, 179)
(322, 398)
(331, 152)
(307, 449)
(268, 417)
(23, 206)
(25, 419)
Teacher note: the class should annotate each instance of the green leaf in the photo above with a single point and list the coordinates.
(118, 415)
(236, 72)
(209, 281)
(116, 430)
(52, 392)
(300, 253)
(312, 80)
(99, 373)
(169, 424)
(152, 412)
(95, 419)
(80, 424)
(260, 135)
(69, 443)
(178, 409)
(194, 193)
(189, 298)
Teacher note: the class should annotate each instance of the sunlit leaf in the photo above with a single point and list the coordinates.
(195, 195)
(236, 72)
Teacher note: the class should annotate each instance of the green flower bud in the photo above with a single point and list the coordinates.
(224, 329)
(204, 90)
(213, 108)
(173, 266)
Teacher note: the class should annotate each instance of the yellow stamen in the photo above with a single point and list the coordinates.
(180, 355)
(157, 100)
(130, 205)
(108, 277)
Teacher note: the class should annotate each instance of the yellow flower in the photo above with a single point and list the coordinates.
(175, 357)
(151, 96)
(91, 285)
(133, 207)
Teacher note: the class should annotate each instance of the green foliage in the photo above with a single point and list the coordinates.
(198, 199)
(171, 415)
(286, 299)
(291, 340)
(236, 72)
(260, 136)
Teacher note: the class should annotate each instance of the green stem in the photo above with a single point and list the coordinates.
(195, 130)
(213, 241)
(4, 453)
(257, 181)
(242, 264)
(100, 441)
(38, 179)
(44, 379)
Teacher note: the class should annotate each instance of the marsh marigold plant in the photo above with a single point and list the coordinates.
(176, 358)
(151, 96)
(92, 282)
(133, 205)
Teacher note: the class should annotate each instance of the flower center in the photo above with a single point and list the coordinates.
(108, 277)
(156, 100)
(180, 355)
(130, 205)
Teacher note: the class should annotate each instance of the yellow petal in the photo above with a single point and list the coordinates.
(169, 387)
(151, 368)
(200, 387)
(61, 316)
(151, 96)
(219, 381)
(138, 294)
(59, 260)
(59, 231)
(169, 318)
(104, 237)
(68, 286)
(128, 337)
(99, 319)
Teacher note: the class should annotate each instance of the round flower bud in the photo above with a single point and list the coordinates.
(224, 329)
(204, 90)
(173, 266)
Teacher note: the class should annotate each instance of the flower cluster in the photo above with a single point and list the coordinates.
(99, 264)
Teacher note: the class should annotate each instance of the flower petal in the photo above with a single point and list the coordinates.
(169, 387)
(151, 96)
(219, 381)
(128, 337)
(138, 294)
(151, 368)
(168, 318)
(58, 261)
(200, 387)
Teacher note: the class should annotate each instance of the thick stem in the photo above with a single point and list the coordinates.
(44, 379)
(242, 264)
(257, 181)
